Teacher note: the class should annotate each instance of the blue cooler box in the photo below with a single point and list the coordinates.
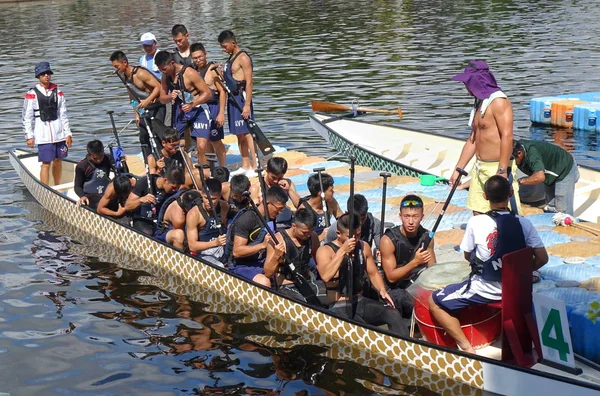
(586, 116)
(540, 109)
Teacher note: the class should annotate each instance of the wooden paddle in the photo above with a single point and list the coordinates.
(327, 107)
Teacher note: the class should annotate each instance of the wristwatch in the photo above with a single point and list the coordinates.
(501, 171)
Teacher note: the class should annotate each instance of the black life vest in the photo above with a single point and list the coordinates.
(299, 256)
(214, 99)
(163, 209)
(321, 223)
(144, 211)
(234, 85)
(405, 251)
(187, 61)
(358, 271)
(210, 231)
(256, 237)
(96, 179)
(137, 93)
(175, 161)
(507, 238)
(180, 86)
(47, 105)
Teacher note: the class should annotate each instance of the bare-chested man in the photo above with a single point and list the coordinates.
(141, 84)
(172, 217)
(216, 104)
(237, 74)
(184, 86)
(491, 137)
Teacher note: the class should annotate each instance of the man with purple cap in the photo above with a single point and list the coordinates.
(148, 42)
(491, 138)
(46, 124)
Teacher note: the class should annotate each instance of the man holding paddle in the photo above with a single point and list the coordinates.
(237, 74)
(142, 85)
(184, 87)
(491, 139)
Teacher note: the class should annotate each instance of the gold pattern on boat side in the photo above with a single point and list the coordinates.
(170, 263)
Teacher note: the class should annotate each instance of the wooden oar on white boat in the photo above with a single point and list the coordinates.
(328, 106)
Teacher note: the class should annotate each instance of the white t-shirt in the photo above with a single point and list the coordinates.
(480, 230)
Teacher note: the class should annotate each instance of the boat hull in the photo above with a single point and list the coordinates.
(437, 368)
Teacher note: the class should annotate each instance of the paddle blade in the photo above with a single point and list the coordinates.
(262, 141)
(327, 106)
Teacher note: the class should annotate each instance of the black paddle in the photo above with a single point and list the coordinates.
(323, 202)
(461, 173)
(212, 161)
(263, 189)
(385, 176)
(201, 168)
(124, 167)
(350, 268)
(299, 280)
(151, 188)
(259, 137)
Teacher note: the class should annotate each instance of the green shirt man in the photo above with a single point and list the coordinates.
(552, 165)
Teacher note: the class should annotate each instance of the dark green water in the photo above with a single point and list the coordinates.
(72, 321)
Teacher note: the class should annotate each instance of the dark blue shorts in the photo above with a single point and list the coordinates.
(237, 125)
(197, 119)
(50, 151)
(216, 133)
(161, 233)
(452, 298)
(246, 271)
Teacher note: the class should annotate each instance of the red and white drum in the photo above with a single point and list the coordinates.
(480, 323)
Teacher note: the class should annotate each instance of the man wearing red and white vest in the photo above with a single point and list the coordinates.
(46, 124)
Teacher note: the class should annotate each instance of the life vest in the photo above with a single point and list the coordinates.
(211, 229)
(175, 161)
(257, 236)
(404, 251)
(135, 91)
(234, 85)
(299, 256)
(187, 61)
(144, 211)
(358, 271)
(508, 237)
(321, 223)
(173, 197)
(96, 179)
(214, 99)
(47, 105)
(185, 95)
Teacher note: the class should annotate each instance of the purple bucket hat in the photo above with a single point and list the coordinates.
(478, 79)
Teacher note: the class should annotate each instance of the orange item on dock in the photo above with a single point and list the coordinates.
(562, 112)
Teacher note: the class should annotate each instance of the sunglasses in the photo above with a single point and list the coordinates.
(411, 202)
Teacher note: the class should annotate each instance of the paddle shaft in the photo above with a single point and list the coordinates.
(187, 166)
(299, 280)
(201, 168)
(259, 137)
(116, 133)
(461, 173)
(351, 234)
(151, 188)
(323, 201)
(385, 176)
(327, 106)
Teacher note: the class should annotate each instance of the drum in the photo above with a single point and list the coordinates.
(480, 323)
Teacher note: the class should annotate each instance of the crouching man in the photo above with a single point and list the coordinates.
(333, 260)
(487, 239)
(296, 245)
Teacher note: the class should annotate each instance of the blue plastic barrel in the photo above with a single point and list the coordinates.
(540, 109)
(585, 116)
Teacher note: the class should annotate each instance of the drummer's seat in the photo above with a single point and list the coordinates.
(519, 330)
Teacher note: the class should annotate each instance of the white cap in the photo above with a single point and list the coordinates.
(147, 39)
